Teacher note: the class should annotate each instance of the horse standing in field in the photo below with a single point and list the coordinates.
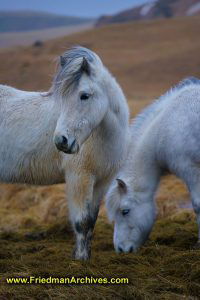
(85, 114)
(164, 137)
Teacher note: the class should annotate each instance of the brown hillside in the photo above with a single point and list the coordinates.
(154, 54)
(147, 59)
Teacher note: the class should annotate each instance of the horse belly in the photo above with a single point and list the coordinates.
(18, 166)
(23, 173)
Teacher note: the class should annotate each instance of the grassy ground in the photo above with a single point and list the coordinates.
(37, 240)
(167, 267)
(35, 235)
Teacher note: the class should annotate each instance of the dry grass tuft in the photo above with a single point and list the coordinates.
(167, 267)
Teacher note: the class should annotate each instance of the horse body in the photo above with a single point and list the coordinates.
(165, 137)
(85, 113)
(27, 154)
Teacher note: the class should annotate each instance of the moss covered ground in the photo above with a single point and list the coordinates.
(36, 240)
(166, 267)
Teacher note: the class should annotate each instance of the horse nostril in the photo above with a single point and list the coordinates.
(64, 140)
(120, 249)
(66, 145)
(61, 142)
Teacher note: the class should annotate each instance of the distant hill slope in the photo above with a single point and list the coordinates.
(147, 58)
(28, 20)
(26, 38)
(153, 10)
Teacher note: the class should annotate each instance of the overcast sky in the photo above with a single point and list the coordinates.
(86, 8)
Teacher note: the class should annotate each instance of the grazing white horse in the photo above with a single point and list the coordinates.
(85, 114)
(165, 137)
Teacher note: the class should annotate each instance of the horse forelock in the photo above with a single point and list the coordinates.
(69, 74)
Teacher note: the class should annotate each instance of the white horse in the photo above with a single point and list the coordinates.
(164, 137)
(85, 113)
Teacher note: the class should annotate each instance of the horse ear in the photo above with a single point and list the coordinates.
(85, 66)
(62, 61)
(121, 185)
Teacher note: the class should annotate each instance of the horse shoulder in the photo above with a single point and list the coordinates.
(6, 92)
(9, 93)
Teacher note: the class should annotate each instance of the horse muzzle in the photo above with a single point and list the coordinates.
(68, 146)
(125, 250)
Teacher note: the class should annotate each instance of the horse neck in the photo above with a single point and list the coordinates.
(113, 129)
(143, 169)
(51, 110)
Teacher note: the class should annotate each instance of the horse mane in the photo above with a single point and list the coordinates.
(138, 125)
(151, 110)
(69, 73)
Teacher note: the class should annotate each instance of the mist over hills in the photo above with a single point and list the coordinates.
(80, 8)
(31, 20)
(154, 10)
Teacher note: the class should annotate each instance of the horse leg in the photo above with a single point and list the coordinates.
(83, 213)
(83, 229)
(195, 195)
(196, 207)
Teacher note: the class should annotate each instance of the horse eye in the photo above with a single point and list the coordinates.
(125, 212)
(85, 96)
